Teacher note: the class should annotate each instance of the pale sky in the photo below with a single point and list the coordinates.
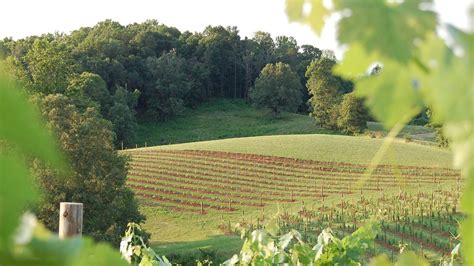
(21, 18)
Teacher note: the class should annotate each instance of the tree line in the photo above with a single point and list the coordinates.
(150, 69)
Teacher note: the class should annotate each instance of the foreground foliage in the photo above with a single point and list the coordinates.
(22, 134)
(419, 70)
(264, 247)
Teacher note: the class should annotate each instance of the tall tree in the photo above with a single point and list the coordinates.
(169, 84)
(89, 87)
(48, 66)
(277, 88)
(97, 175)
(325, 91)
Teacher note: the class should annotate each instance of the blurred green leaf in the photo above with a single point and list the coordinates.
(410, 259)
(21, 126)
(16, 191)
(317, 16)
(356, 62)
(314, 18)
(98, 254)
(394, 94)
(381, 260)
(294, 9)
(390, 28)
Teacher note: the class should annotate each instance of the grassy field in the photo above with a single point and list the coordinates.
(325, 148)
(223, 118)
(175, 221)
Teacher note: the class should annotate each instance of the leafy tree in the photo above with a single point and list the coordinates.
(307, 55)
(221, 46)
(168, 86)
(277, 88)
(286, 50)
(122, 115)
(48, 66)
(325, 91)
(90, 87)
(97, 175)
(352, 114)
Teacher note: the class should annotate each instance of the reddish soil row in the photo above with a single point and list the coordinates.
(292, 167)
(282, 160)
(277, 171)
(143, 189)
(153, 180)
(296, 192)
(242, 200)
(254, 178)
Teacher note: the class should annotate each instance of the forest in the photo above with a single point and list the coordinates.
(150, 71)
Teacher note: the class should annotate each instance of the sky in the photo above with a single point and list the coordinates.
(21, 18)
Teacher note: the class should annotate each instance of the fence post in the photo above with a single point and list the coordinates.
(70, 219)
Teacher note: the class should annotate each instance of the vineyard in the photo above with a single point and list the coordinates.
(203, 181)
(326, 194)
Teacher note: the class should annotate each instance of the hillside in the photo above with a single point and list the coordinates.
(325, 148)
(234, 118)
(223, 118)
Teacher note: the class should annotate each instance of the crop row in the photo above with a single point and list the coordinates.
(289, 162)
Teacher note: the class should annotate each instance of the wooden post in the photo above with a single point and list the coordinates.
(122, 145)
(70, 219)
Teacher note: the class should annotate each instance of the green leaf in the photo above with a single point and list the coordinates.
(410, 259)
(356, 62)
(390, 29)
(16, 191)
(315, 17)
(381, 260)
(98, 254)
(394, 94)
(21, 126)
(294, 9)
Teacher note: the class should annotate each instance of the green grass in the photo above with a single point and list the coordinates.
(233, 118)
(326, 148)
(223, 118)
(416, 132)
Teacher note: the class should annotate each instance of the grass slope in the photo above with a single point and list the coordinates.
(326, 148)
(223, 118)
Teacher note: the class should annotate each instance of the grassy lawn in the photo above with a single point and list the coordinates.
(326, 148)
(224, 118)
